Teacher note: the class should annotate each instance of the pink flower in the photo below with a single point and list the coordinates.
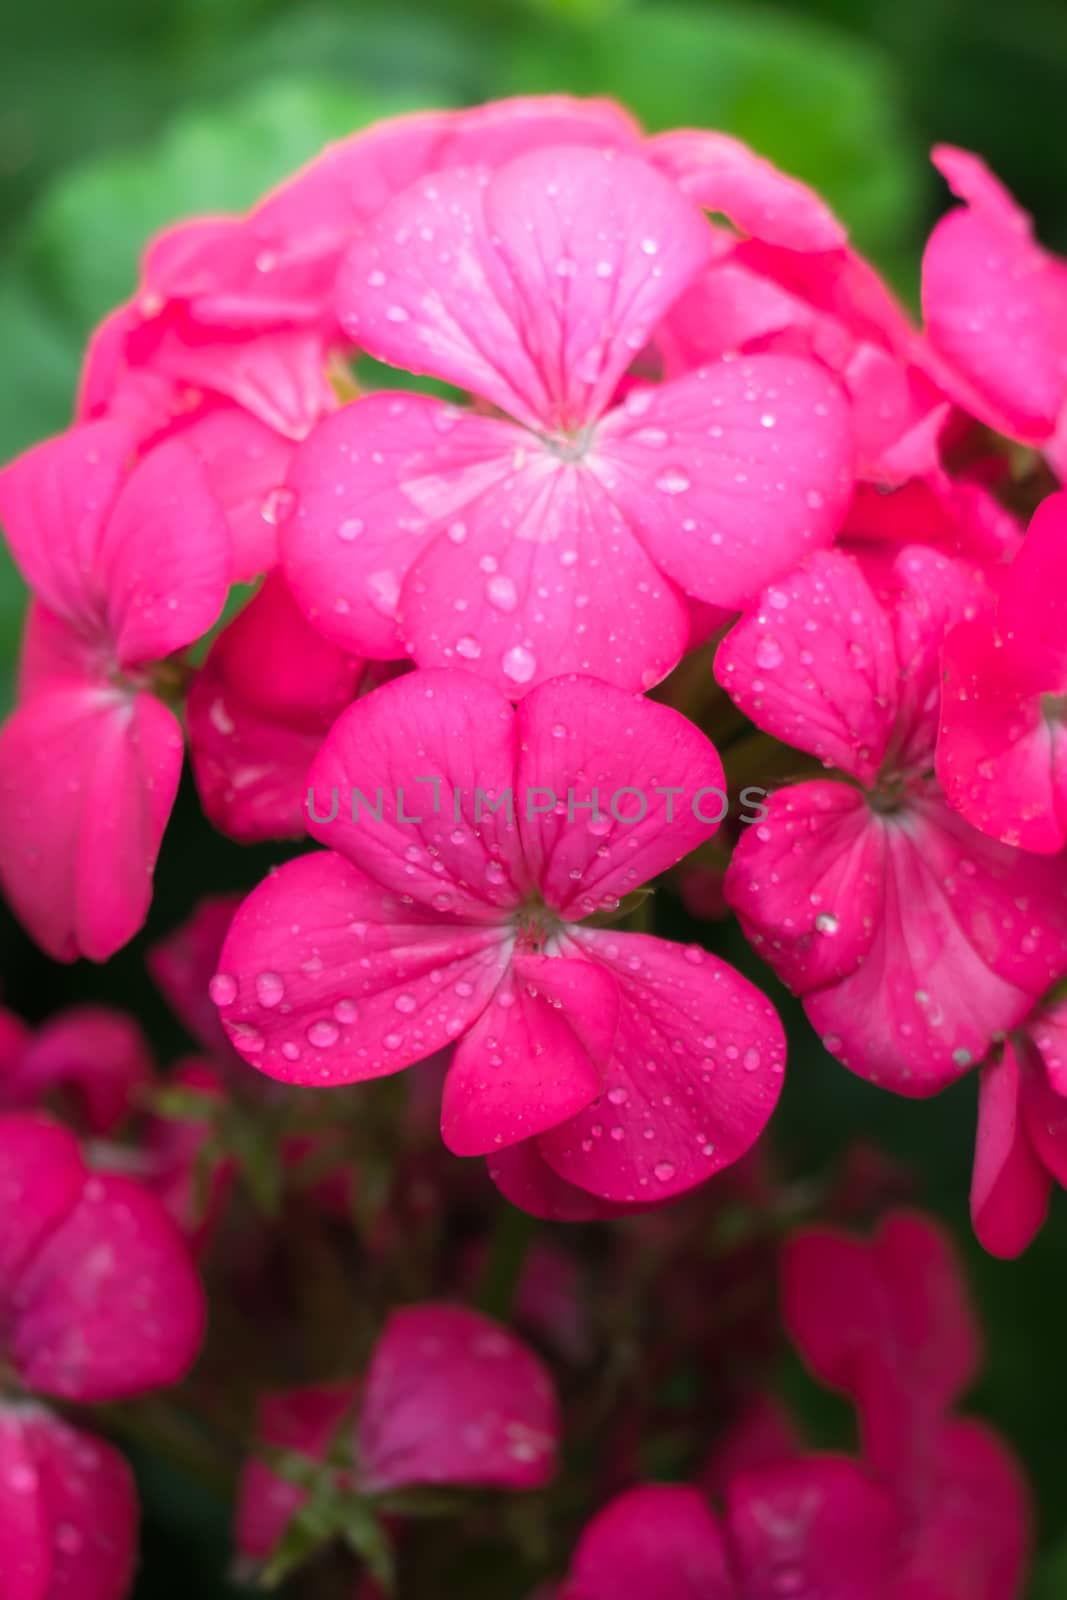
(1021, 1148)
(98, 1057)
(258, 711)
(1002, 746)
(995, 305)
(450, 1398)
(98, 1301)
(913, 939)
(890, 1323)
(126, 567)
(621, 1064)
(555, 536)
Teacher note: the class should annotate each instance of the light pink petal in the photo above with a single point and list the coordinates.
(972, 932)
(660, 1541)
(41, 1180)
(996, 751)
(722, 174)
(373, 485)
(975, 1534)
(438, 749)
(246, 463)
(55, 501)
(898, 416)
(279, 377)
(814, 664)
(304, 1422)
(1032, 614)
(535, 1057)
(183, 963)
(889, 1322)
(820, 1520)
(730, 476)
(808, 882)
(989, 298)
(452, 1397)
(695, 1073)
(99, 1056)
(109, 1305)
(88, 775)
(524, 1178)
(616, 789)
(1009, 1186)
(548, 577)
(164, 557)
(497, 132)
(68, 1511)
(444, 279)
(258, 712)
(325, 978)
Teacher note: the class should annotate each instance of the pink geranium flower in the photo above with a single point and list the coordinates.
(98, 1302)
(1021, 1147)
(90, 1055)
(629, 1067)
(1002, 746)
(913, 939)
(555, 532)
(126, 567)
(450, 1398)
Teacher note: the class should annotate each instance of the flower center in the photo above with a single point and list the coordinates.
(537, 924)
(571, 444)
(1054, 708)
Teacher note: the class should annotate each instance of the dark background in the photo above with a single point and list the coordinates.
(119, 115)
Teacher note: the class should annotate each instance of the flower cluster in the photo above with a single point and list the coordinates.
(590, 483)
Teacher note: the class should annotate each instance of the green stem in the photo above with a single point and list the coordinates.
(512, 1236)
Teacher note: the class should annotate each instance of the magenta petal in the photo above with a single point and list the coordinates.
(110, 1304)
(1032, 613)
(617, 787)
(660, 1542)
(417, 768)
(41, 1179)
(974, 1534)
(98, 1055)
(68, 1511)
(808, 882)
(326, 978)
(303, 1422)
(823, 1521)
(725, 506)
(452, 1397)
(444, 279)
(524, 1178)
(814, 664)
(502, 129)
(534, 1058)
(246, 463)
(722, 174)
(695, 1073)
(88, 776)
(1009, 1186)
(373, 485)
(183, 962)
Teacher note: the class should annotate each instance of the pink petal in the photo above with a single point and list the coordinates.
(534, 1058)
(257, 714)
(726, 506)
(164, 557)
(1032, 614)
(655, 781)
(814, 664)
(889, 1322)
(279, 377)
(660, 1541)
(1048, 1030)
(764, 1435)
(55, 501)
(88, 775)
(325, 978)
(822, 1522)
(246, 463)
(433, 752)
(98, 1055)
(452, 1397)
(373, 485)
(1044, 1113)
(975, 1537)
(109, 1305)
(524, 1178)
(808, 882)
(69, 1513)
(695, 1073)
(497, 132)
(1009, 1187)
(544, 334)
(183, 962)
(722, 174)
(41, 1179)
(303, 1422)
